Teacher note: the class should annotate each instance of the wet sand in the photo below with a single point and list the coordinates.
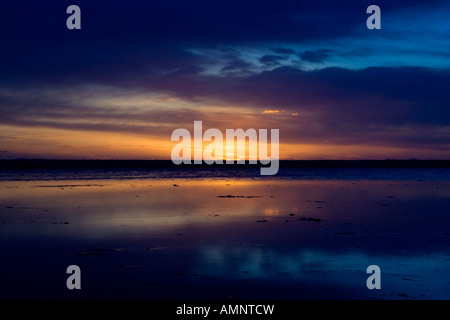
(225, 239)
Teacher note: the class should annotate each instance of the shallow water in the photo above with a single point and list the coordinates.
(225, 238)
(229, 172)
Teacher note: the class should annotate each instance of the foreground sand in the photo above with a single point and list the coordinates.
(225, 239)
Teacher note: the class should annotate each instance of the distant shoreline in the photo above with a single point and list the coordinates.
(24, 164)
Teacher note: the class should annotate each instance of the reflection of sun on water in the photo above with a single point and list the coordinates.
(275, 211)
(271, 211)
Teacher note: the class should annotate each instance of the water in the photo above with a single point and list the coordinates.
(386, 174)
(225, 237)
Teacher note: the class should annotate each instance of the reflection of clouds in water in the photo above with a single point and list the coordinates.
(425, 276)
(260, 261)
(191, 218)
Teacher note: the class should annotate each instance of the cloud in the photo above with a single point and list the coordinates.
(271, 60)
(273, 111)
(315, 56)
(237, 66)
(122, 41)
(375, 106)
(153, 66)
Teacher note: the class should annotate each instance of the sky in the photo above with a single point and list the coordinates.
(137, 70)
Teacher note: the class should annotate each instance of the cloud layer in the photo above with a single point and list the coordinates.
(148, 68)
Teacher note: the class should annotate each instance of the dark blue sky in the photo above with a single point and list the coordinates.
(140, 69)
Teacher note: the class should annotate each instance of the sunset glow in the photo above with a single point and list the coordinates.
(119, 92)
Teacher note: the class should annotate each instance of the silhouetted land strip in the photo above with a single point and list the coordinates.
(19, 164)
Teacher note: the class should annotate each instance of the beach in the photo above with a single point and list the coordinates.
(225, 238)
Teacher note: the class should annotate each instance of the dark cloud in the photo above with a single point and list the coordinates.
(36, 40)
(315, 56)
(237, 66)
(156, 36)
